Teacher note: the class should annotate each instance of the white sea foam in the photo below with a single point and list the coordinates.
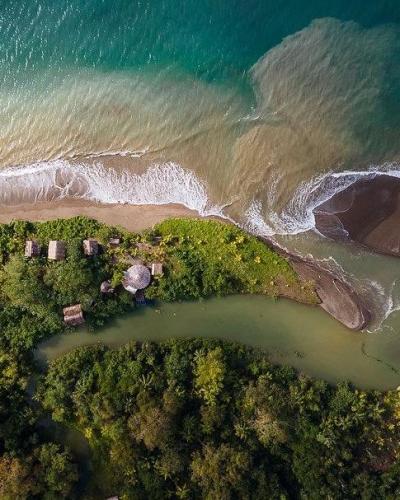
(159, 185)
(125, 153)
(298, 216)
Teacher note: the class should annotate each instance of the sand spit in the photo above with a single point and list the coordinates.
(336, 297)
(366, 212)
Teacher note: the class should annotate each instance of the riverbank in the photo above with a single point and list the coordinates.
(335, 295)
(317, 345)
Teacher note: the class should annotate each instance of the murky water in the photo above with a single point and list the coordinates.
(293, 334)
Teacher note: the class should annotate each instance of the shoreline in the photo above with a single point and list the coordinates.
(336, 296)
(134, 218)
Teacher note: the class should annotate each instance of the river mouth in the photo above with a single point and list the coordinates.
(317, 346)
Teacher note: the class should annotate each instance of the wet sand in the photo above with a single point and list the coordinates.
(367, 212)
(132, 217)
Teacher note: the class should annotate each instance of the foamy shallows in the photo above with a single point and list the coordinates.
(55, 180)
(298, 215)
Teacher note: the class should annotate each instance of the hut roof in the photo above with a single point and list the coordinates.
(106, 287)
(73, 315)
(56, 250)
(32, 248)
(156, 269)
(144, 247)
(114, 242)
(90, 247)
(136, 277)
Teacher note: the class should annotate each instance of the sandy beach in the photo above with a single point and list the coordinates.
(339, 301)
(131, 217)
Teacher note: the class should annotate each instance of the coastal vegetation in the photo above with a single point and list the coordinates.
(181, 419)
(200, 259)
(210, 419)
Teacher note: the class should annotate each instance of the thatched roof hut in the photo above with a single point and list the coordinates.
(136, 278)
(56, 250)
(32, 248)
(106, 287)
(73, 315)
(114, 242)
(90, 247)
(144, 247)
(156, 269)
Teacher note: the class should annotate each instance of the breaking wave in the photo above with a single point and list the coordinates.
(298, 216)
(160, 184)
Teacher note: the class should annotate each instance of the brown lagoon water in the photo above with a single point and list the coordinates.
(293, 334)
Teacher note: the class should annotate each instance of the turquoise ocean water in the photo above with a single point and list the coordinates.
(255, 110)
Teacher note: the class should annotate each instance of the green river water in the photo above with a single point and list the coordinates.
(300, 336)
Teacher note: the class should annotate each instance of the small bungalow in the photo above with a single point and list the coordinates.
(90, 247)
(157, 240)
(73, 315)
(144, 247)
(56, 250)
(32, 248)
(137, 277)
(137, 262)
(140, 298)
(106, 287)
(156, 269)
(114, 242)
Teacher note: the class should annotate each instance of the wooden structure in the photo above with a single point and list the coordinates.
(157, 240)
(73, 315)
(90, 247)
(56, 250)
(32, 248)
(137, 277)
(114, 242)
(156, 269)
(140, 298)
(144, 247)
(106, 287)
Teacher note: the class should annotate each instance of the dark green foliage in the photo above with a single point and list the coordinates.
(210, 419)
(181, 419)
(200, 259)
(46, 473)
(205, 258)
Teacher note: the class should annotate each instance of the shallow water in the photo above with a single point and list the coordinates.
(293, 334)
(254, 110)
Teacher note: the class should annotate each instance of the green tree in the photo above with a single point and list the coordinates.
(209, 374)
(221, 471)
